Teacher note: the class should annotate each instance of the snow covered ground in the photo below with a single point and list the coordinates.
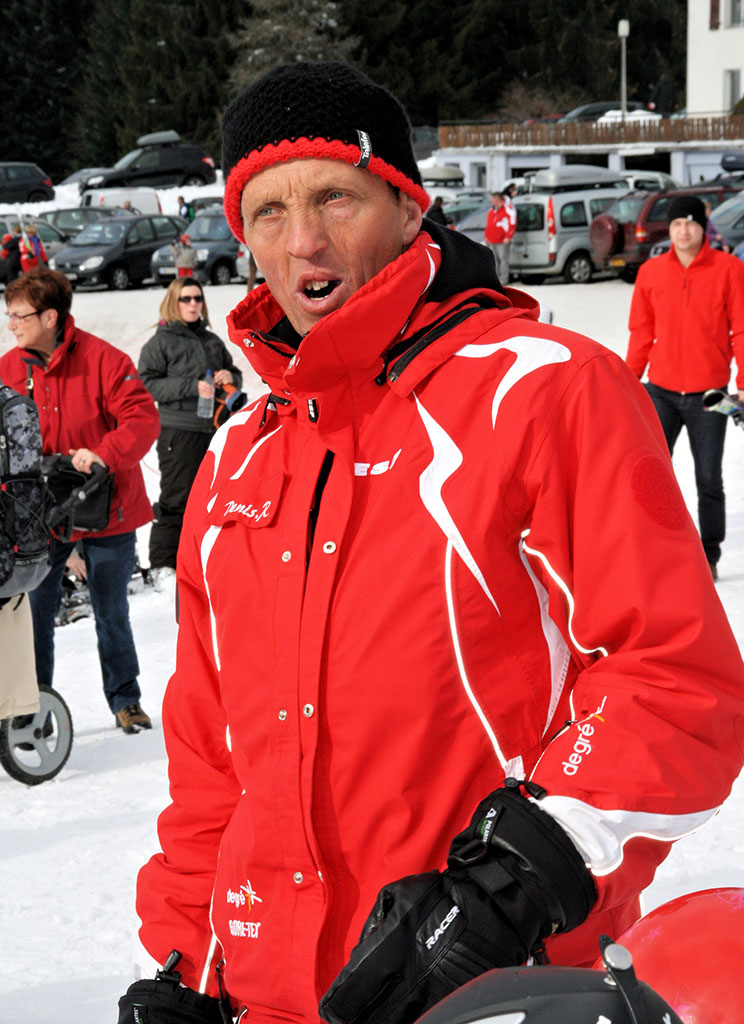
(70, 848)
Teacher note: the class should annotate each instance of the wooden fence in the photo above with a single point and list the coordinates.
(672, 131)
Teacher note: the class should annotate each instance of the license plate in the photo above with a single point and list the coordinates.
(617, 261)
(164, 271)
(71, 277)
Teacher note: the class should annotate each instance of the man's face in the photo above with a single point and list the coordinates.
(496, 202)
(686, 236)
(320, 229)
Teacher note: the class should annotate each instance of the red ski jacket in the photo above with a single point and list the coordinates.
(414, 569)
(91, 396)
(498, 226)
(688, 324)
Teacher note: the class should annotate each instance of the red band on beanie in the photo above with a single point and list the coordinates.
(300, 149)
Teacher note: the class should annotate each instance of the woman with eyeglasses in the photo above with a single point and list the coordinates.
(92, 406)
(173, 365)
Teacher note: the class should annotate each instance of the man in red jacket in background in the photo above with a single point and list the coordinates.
(687, 324)
(433, 683)
(498, 235)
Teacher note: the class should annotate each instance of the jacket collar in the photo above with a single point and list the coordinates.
(439, 272)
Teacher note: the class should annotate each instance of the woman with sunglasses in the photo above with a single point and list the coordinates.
(173, 365)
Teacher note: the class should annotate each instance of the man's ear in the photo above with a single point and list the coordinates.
(414, 216)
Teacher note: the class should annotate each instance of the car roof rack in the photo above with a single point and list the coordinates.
(159, 138)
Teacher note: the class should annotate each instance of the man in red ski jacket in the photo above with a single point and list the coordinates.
(434, 683)
(498, 234)
(686, 325)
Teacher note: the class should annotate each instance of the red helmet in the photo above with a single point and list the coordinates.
(186, 239)
(691, 950)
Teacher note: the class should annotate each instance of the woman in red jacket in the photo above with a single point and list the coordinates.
(93, 406)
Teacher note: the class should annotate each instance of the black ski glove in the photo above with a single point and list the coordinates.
(166, 1001)
(513, 878)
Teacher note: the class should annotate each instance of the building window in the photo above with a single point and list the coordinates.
(478, 175)
(731, 89)
(735, 13)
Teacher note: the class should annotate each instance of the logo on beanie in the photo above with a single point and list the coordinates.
(365, 146)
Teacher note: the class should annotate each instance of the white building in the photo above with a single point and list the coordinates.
(715, 55)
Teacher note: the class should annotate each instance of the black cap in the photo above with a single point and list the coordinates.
(688, 208)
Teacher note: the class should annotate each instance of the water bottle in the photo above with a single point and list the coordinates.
(205, 406)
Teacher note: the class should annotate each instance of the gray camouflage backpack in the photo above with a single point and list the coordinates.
(24, 497)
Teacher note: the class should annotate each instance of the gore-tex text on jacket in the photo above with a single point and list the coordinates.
(687, 324)
(491, 588)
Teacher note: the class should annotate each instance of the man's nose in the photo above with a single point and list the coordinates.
(307, 236)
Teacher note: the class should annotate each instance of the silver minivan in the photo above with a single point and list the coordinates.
(552, 235)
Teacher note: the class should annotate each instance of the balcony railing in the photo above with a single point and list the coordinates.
(671, 131)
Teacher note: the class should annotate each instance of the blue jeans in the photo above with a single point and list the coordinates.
(706, 432)
(109, 563)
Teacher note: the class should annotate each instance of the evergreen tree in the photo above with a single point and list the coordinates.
(281, 31)
(174, 67)
(99, 100)
(42, 46)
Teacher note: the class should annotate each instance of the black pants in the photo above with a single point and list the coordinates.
(180, 453)
(706, 432)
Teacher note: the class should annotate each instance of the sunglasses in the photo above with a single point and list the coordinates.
(191, 298)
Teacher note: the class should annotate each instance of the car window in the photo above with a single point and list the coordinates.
(141, 232)
(46, 232)
(626, 209)
(530, 217)
(209, 229)
(149, 161)
(739, 223)
(69, 220)
(597, 206)
(102, 232)
(573, 215)
(164, 227)
(22, 173)
(649, 184)
(128, 159)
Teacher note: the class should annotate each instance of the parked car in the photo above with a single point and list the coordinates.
(72, 219)
(160, 159)
(53, 239)
(24, 183)
(141, 199)
(243, 264)
(622, 237)
(216, 251)
(593, 111)
(650, 181)
(82, 174)
(116, 251)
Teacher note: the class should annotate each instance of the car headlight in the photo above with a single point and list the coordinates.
(52, 264)
(95, 180)
(92, 264)
(202, 255)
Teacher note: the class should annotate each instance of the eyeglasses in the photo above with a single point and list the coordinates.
(191, 298)
(13, 318)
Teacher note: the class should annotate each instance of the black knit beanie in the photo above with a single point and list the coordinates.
(688, 208)
(316, 110)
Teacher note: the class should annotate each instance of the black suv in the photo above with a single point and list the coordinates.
(116, 251)
(160, 159)
(24, 183)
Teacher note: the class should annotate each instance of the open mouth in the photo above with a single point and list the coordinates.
(320, 289)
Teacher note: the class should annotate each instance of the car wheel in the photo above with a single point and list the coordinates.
(579, 269)
(36, 197)
(118, 278)
(193, 179)
(221, 273)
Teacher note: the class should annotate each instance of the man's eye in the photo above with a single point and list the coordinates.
(336, 194)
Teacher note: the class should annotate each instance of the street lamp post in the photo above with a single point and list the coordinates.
(623, 30)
